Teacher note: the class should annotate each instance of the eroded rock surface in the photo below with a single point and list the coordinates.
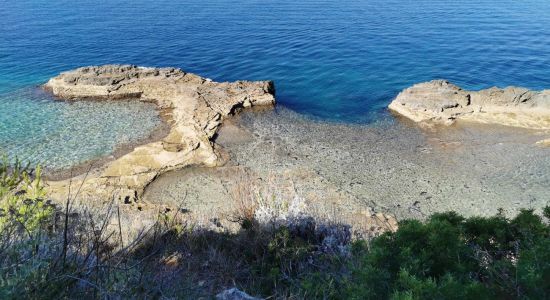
(195, 107)
(439, 101)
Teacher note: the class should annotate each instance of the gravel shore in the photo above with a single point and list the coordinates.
(391, 166)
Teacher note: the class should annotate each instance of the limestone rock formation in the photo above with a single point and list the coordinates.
(195, 106)
(441, 102)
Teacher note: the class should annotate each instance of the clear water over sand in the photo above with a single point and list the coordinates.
(392, 166)
(58, 135)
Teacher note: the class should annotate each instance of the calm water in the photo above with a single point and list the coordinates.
(59, 135)
(333, 60)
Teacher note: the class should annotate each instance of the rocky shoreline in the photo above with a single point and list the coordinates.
(441, 102)
(195, 106)
(364, 175)
(392, 167)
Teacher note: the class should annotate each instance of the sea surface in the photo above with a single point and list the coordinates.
(333, 61)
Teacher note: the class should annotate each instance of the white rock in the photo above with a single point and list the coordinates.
(441, 102)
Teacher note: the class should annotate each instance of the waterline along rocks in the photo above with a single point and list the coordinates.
(195, 107)
(440, 102)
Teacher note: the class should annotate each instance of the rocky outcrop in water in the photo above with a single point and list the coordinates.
(440, 102)
(195, 107)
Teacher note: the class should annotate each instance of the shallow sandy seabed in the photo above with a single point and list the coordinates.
(391, 166)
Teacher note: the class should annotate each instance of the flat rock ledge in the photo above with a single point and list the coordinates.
(195, 107)
(441, 102)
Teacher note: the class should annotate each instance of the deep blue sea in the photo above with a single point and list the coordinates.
(331, 60)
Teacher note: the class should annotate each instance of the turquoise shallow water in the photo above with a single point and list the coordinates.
(332, 60)
(59, 135)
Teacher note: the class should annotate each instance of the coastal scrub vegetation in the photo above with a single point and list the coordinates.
(47, 251)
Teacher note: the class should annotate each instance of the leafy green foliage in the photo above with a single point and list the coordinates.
(23, 215)
(22, 198)
(450, 257)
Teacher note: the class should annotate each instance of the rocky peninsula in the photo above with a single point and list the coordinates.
(194, 106)
(441, 102)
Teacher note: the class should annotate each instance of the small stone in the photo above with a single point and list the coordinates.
(234, 294)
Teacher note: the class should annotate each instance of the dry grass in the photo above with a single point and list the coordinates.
(113, 252)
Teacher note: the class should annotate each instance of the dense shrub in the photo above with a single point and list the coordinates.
(450, 257)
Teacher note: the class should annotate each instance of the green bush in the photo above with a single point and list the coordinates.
(450, 257)
(24, 215)
(22, 198)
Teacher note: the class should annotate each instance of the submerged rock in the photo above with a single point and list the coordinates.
(195, 108)
(441, 102)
